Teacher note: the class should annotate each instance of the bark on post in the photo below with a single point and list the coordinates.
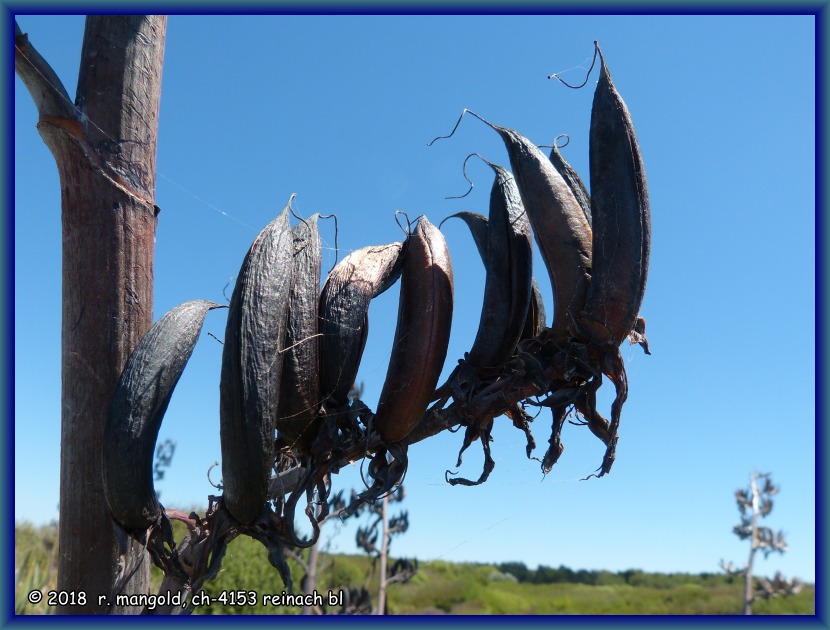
(105, 149)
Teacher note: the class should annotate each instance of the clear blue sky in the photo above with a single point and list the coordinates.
(339, 110)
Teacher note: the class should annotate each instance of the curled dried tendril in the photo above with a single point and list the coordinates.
(588, 74)
(473, 432)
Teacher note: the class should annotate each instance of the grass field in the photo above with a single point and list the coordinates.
(442, 587)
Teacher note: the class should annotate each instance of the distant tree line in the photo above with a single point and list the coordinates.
(633, 577)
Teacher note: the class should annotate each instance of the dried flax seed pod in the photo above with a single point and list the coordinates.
(477, 223)
(573, 180)
(622, 219)
(559, 226)
(252, 360)
(504, 244)
(536, 319)
(422, 334)
(344, 306)
(509, 265)
(138, 405)
(621, 215)
(495, 335)
(299, 403)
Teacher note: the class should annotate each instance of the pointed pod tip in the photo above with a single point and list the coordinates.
(496, 168)
(195, 308)
(212, 305)
(603, 67)
(289, 208)
(423, 224)
(485, 121)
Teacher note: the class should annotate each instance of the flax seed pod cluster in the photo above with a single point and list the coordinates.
(293, 345)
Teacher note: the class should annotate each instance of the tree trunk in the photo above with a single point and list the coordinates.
(310, 582)
(105, 149)
(748, 594)
(384, 553)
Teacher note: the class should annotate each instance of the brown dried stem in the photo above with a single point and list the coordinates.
(47, 91)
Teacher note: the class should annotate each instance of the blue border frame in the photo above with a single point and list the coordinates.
(822, 469)
(816, 8)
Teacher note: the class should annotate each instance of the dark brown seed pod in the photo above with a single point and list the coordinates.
(422, 334)
(252, 361)
(508, 260)
(477, 223)
(137, 409)
(299, 403)
(478, 226)
(344, 305)
(559, 226)
(622, 219)
(509, 265)
(622, 243)
(536, 317)
(573, 180)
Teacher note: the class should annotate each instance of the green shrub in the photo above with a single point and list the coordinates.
(35, 566)
(340, 571)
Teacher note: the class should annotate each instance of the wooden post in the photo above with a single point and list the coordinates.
(104, 145)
